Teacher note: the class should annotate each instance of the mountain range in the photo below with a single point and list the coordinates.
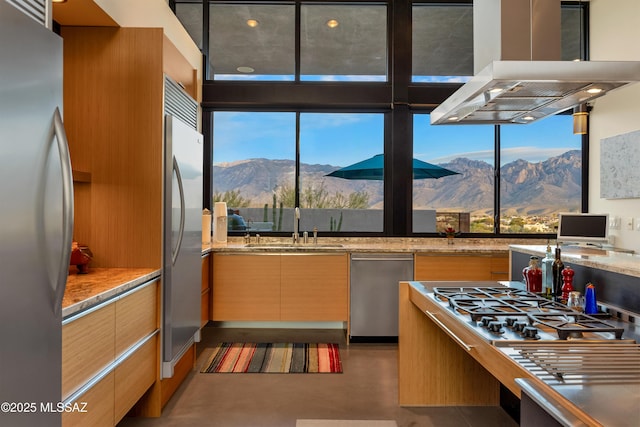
(526, 188)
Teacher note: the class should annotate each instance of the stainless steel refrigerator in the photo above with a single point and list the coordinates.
(36, 216)
(182, 252)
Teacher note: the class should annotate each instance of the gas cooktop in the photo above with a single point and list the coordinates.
(500, 313)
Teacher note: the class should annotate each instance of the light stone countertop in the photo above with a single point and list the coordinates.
(368, 245)
(608, 260)
(100, 284)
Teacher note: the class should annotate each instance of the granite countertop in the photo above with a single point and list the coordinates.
(364, 245)
(100, 284)
(608, 260)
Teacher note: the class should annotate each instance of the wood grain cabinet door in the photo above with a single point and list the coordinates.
(88, 347)
(246, 287)
(457, 267)
(314, 287)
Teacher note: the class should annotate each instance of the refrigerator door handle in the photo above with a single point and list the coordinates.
(67, 209)
(176, 168)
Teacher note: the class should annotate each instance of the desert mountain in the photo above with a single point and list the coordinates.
(525, 187)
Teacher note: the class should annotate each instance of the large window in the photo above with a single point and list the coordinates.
(258, 181)
(540, 174)
(460, 195)
(299, 89)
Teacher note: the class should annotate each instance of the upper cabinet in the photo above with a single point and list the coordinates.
(114, 116)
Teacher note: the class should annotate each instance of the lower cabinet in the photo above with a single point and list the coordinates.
(110, 357)
(280, 287)
(246, 287)
(96, 406)
(205, 291)
(314, 288)
(461, 267)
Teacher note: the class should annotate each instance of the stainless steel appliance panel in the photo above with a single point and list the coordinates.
(182, 272)
(36, 219)
(374, 293)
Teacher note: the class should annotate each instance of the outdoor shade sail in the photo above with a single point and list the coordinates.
(373, 169)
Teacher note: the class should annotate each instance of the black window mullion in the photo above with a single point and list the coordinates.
(496, 180)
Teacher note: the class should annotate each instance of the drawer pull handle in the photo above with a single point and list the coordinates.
(449, 332)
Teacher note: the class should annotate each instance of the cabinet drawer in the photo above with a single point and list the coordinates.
(99, 406)
(87, 347)
(136, 316)
(134, 376)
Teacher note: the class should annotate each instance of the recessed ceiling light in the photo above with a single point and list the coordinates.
(496, 90)
(252, 23)
(332, 23)
(453, 118)
(245, 69)
(594, 90)
(528, 118)
(58, 1)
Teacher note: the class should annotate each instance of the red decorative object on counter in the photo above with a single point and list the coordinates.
(567, 282)
(533, 275)
(80, 257)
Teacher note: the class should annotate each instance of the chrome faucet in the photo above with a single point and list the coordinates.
(296, 222)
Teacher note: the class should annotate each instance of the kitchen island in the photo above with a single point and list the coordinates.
(445, 360)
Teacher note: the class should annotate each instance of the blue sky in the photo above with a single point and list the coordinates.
(343, 139)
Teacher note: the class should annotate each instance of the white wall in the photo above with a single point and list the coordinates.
(615, 35)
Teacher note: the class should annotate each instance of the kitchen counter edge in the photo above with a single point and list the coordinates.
(84, 291)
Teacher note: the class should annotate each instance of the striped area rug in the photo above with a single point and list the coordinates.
(274, 358)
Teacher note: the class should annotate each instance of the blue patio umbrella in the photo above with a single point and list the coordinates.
(373, 169)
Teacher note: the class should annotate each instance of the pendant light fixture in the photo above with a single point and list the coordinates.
(580, 119)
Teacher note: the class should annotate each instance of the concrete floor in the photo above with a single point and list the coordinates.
(366, 390)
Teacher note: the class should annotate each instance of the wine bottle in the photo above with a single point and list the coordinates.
(557, 268)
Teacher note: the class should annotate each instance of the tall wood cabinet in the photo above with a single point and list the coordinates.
(114, 119)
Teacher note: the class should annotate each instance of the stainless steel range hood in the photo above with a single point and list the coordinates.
(518, 82)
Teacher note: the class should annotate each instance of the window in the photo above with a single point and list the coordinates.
(329, 142)
(343, 42)
(278, 132)
(252, 42)
(540, 174)
(442, 48)
(254, 170)
(465, 200)
(254, 166)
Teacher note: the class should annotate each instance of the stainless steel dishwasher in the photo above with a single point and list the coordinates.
(374, 293)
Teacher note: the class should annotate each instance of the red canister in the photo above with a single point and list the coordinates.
(533, 275)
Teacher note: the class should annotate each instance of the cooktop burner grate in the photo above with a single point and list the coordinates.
(571, 324)
(481, 303)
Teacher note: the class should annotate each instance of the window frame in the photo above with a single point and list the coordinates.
(398, 99)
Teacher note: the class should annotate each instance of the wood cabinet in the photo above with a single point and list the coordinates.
(99, 409)
(314, 288)
(87, 347)
(452, 266)
(280, 287)
(433, 369)
(114, 120)
(110, 356)
(205, 291)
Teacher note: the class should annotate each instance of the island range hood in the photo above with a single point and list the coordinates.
(521, 78)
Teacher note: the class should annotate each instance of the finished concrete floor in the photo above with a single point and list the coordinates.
(366, 390)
